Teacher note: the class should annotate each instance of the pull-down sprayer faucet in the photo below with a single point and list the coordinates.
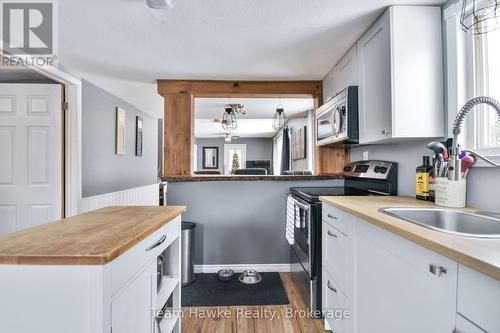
(455, 165)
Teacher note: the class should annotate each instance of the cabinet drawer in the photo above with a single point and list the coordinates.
(479, 299)
(333, 299)
(126, 266)
(335, 255)
(337, 218)
(465, 326)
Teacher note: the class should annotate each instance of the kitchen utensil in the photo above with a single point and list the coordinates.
(467, 162)
(225, 275)
(250, 277)
(438, 148)
(159, 272)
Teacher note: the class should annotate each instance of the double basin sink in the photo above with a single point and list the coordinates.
(451, 221)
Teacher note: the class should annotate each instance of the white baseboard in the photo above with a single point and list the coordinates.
(238, 268)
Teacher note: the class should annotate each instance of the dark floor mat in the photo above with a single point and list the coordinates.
(207, 290)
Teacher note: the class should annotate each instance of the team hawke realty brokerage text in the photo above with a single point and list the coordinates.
(245, 313)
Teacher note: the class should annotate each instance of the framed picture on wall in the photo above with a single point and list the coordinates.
(138, 136)
(121, 117)
(299, 143)
(210, 157)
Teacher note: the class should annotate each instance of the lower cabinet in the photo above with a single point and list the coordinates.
(393, 285)
(131, 309)
(401, 286)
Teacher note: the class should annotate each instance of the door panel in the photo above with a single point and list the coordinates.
(375, 81)
(30, 155)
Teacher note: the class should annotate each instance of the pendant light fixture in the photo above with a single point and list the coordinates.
(280, 120)
(229, 117)
(480, 16)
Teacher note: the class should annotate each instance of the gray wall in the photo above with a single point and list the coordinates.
(238, 222)
(483, 184)
(257, 149)
(103, 170)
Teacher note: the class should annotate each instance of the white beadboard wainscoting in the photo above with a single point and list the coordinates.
(139, 196)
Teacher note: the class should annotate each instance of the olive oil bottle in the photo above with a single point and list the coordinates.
(422, 180)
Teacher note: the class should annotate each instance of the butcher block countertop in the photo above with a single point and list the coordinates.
(93, 238)
(480, 254)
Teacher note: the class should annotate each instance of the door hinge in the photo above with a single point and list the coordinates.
(65, 106)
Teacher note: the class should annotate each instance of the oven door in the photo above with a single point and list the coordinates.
(303, 246)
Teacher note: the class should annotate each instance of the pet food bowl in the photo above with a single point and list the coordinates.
(225, 275)
(250, 277)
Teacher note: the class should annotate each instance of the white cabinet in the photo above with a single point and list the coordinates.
(478, 299)
(396, 291)
(400, 74)
(342, 75)
(465, 326)
(337, 267)
(131, 309)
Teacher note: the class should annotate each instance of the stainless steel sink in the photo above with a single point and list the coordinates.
(481, 225)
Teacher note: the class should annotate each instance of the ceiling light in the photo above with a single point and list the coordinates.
(480, 16)
(229, 117)
(280, 119)
(160, 4)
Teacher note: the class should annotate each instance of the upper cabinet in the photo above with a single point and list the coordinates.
(400, 71)
(342, 75)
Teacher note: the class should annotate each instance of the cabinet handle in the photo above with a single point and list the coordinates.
(386, 132)
(157, 243)
(331, 234)
(332, 217)
(331, 287)
(437, 270)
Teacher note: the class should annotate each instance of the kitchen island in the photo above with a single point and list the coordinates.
(95, 272)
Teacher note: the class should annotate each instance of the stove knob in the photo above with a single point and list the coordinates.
(383, 170)
(347, 168)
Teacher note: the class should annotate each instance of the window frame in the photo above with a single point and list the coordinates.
(480, 88)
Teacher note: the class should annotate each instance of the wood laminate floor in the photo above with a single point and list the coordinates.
(249, 319)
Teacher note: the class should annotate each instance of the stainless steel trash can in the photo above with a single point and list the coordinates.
(187, 241)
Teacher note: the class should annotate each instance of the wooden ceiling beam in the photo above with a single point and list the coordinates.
(254, 89)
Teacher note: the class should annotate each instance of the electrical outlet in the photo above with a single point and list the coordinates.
(365, 156)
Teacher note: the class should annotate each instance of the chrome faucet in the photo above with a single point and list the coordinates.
(455, 164)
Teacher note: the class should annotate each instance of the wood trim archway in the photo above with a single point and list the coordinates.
(178, 118)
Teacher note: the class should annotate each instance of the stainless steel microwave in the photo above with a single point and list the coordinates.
(337, 120)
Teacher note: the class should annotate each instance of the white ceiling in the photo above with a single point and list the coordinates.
(217, 39)
(129, 45)
(257, 121)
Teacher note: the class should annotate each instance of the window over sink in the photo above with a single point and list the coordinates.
(487, 83)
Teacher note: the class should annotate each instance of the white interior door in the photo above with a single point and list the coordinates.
(30, 155)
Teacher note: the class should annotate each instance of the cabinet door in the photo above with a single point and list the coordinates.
(131, 309)
(374, 66)
(347, 71)
(329, 84)
(396, 290)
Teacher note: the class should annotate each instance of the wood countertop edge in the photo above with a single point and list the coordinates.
(90, 259)
(479, 265)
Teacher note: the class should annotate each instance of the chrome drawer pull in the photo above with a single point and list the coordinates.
(158, 243)
(332, 217)
(331, 234)
(331, 287)
(437, 270)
